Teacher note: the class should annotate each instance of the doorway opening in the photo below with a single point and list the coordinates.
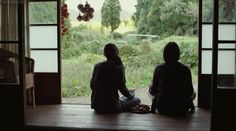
(140, 36)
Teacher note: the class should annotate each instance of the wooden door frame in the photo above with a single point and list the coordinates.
(223, 105)
(48, 84)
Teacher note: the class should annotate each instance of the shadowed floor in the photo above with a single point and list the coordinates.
(81, 117)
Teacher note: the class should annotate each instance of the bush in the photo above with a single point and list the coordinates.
(189, 53)
(139, 57)
(83, 34)
(94, 46)
(76, 75)
(117, 35)
(70, 52)
(128, 51)
(188, 48)
(145, 47)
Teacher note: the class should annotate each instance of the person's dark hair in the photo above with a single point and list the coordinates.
(110, 50)
(171, 52)
(112, 53)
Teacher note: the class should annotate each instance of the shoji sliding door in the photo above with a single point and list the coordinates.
(44, 37)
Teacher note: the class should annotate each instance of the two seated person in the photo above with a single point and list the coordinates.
(171, 86)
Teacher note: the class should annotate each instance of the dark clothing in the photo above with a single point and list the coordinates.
(108, 77)
(172, 88)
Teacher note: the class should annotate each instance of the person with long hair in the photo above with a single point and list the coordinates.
(107, 80)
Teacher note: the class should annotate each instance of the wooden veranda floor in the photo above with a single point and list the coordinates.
(81, 117)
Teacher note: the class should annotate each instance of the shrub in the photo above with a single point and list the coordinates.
(94, 46)
(139, 57)
(117, 35)
(70, 52)
(188, 48)
(145, 47)
(128, 51)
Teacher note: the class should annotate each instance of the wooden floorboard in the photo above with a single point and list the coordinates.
(81, 117)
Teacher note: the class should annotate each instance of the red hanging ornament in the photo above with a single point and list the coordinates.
(65, 30)
(64, 15)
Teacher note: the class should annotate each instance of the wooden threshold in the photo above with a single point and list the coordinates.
(81, 117)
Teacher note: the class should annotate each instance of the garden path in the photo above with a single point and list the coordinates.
(141, 92)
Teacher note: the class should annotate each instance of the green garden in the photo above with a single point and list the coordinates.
(170, 20)
(82, 46)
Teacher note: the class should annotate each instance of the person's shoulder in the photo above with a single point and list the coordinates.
(99, 64)
(183, 66)
(161, 65)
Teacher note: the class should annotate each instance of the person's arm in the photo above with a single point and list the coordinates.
(155, 81)
(121, 82)
(189, 83)
(94, 76)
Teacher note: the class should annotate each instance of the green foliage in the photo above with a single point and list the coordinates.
(139, 57)
(166, 17)
(128, 51)
(43, 12)
(94, 46)
(154, 23)
(117, 35)
(207, 10)
(142, 27)
(227, 11)
(189, 52)
(82, 46)
(68, 40)
(77, 73)
(70, 52)
(188, 48)
(75, 78)
(111, 14)
(142, 8)
(83, 33)
(145, 47)
(178, 17)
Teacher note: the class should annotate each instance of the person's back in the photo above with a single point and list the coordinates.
(172, 85)
(108, 78)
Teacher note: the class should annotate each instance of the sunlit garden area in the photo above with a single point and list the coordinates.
(140, 28)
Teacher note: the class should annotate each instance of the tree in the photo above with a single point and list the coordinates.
(142, 8)
(140, 16)
(111, 14)
(179, 17)
(166, 17)
(154, 23)
(141, 26)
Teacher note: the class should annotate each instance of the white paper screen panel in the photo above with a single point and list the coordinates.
(45, 61)
(43, 37)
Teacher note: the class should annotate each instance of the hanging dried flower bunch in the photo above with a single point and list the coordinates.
(87, 11)
(64, 15)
